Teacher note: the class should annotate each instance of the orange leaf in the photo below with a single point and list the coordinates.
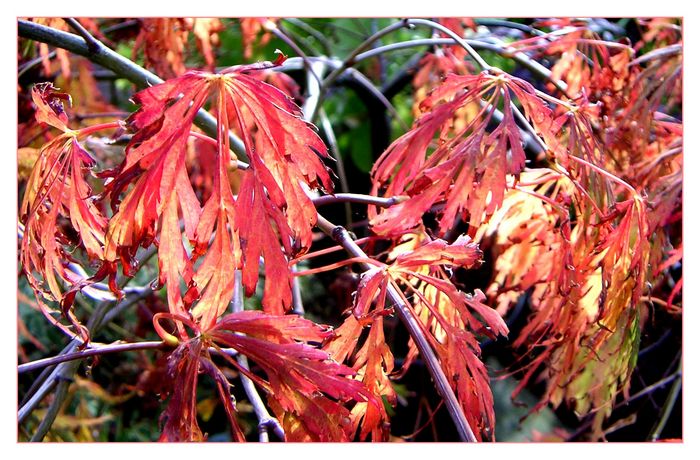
(307, 389)
(272, 208)
(467, 168)
(58, 203)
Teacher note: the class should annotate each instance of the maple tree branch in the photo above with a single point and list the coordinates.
(668, 406)
(341, 236)
(122, 66)
(335, 151)
(463, 43)
(265, 420)
(311, 31)
(359, 198)
(52, 411)
(76, 44)
(92, 43)
(350, 60)
(65, 370)
(92, 351)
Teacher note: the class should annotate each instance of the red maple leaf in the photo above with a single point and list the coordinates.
(306, 388)
(449, 318)
(373, 363)
(57, 205)
(465, 166)
(272, 208)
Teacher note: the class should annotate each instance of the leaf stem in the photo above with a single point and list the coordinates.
(323, 252)
(353, 260)
(99, 127)
(606, 174)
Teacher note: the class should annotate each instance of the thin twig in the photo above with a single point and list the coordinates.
(335, 151)
(358, 198)
(92, 43)
(93, 351)
(265, 420)
(668, 406)
(311, 31)
(305, 59)
(33, 63)
(52, 412)
(121, 26)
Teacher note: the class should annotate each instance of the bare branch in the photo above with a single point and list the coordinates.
(358, 198)
(92, 43)
(265, 420)
(92, 351)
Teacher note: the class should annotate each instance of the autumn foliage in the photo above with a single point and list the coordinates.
(559, 187)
